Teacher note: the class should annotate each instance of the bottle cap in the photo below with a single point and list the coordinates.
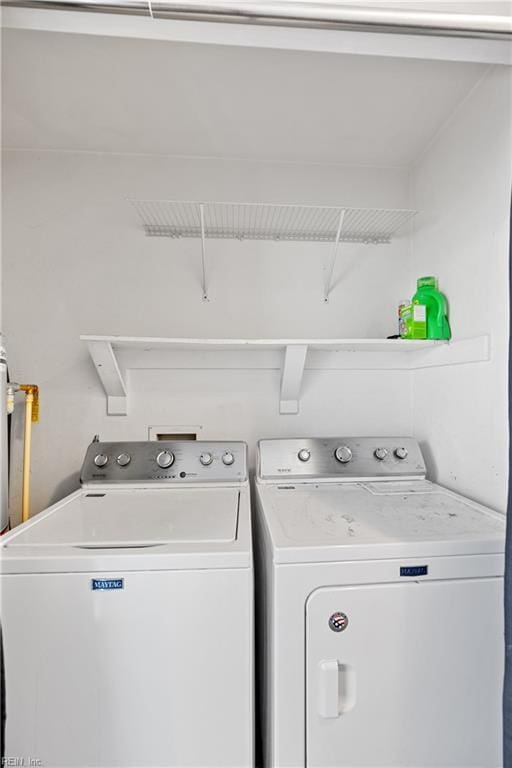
(429, 280)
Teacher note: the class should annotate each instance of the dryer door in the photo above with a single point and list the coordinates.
(405, 674)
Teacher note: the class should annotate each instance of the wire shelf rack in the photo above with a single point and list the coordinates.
(264, 221)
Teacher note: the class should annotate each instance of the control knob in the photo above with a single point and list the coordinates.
(304, 454)
(100, 460)
(401, 453)
(206, 458)
(343, 454)
(165, 459)
(123, 459)
(228, 458)
(380, 453)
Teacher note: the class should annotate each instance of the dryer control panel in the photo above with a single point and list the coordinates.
(157, 462)
(340, 458)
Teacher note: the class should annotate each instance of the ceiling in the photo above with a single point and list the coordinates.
(107, 94)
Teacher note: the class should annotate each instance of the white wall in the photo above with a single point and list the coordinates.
(462, 187)
(75, 261)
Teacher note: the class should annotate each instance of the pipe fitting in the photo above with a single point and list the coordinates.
(32, 391)
(10, 392)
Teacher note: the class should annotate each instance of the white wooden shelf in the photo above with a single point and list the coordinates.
(269, 221)
(113, 356)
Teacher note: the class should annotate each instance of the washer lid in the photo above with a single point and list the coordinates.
(359, 521)
(135, 518)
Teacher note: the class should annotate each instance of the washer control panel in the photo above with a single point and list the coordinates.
(165, 462)
(351, 458)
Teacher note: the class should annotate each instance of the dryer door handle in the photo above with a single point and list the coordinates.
(336, 688)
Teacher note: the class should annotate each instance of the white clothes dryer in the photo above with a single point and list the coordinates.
(379, 610)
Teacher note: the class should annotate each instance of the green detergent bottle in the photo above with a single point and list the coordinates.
(427, 294)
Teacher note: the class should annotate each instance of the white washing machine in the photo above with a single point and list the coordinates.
(380, 610)
(127, 613)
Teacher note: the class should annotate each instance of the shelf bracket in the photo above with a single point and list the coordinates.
(332, 263)
(107, 368)
(291, 380)
(203, 252)
(476, 349)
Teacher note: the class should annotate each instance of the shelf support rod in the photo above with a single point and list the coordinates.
(332, 263)
(203, 252)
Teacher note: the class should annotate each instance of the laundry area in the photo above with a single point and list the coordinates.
(254, 403)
